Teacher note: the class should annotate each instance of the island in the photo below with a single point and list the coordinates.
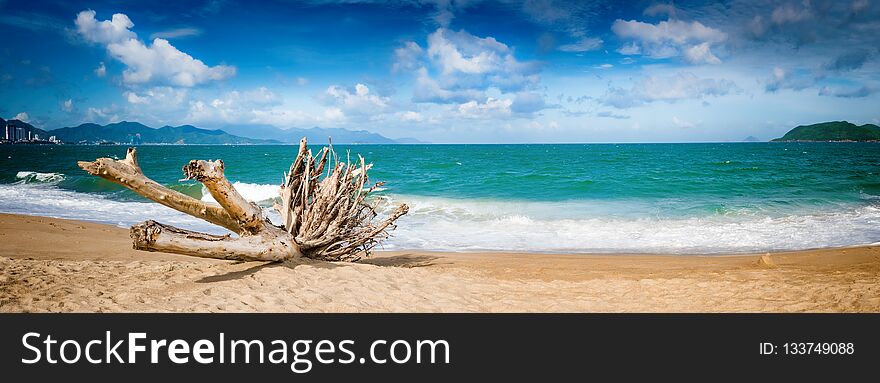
(835, 131)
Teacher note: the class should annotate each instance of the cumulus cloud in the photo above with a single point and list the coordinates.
(159, 63)
(460, 67)
(427, 89)
(407, 57)
(355, 101)
(23, 116)
(691, 40)
(115, 30)
(700, 54)
(410, 116)
(102, 115)
(492, 108)
(67, 105)
(679, 86)
(161, 97)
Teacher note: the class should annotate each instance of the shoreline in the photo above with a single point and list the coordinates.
(49, 264)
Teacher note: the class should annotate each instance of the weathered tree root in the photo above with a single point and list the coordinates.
(324, 218)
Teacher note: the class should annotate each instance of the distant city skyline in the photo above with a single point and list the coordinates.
(447, 71)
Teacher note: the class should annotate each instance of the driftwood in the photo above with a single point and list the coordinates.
(324, 216)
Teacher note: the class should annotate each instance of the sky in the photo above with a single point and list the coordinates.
(447, 71)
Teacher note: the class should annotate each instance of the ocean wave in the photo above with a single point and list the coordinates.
(576, 226)
(569, 226)
(29, 177)
(51, 201)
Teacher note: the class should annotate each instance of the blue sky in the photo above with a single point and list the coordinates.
(447, 71)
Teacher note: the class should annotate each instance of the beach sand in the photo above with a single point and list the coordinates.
(53, 265)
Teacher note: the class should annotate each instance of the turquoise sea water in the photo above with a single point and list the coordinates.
(669, 198)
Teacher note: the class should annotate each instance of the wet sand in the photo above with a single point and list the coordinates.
(53, 265)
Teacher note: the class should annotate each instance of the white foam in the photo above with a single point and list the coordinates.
(461, 225)
(36, 177)
(50, 201)
(259, 193)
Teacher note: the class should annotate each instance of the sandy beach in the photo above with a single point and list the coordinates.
(54, 265)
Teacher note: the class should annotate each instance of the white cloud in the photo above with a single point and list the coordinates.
(355, 101)
(23, 116)
(233, 106)
(407, 57)
(162, 96)
(410, 116)
(462, 52)
(583, 45)
(301, 81)
(679, 86)
(101, 70)
(159, 63)
(115, 30)
(670, 38)
(428, 89)
(459, 67)
(67, 105)
(700, 54)
(492, 108)
(604, 66)
(102, 115)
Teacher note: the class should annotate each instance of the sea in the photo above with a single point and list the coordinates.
(694, 198)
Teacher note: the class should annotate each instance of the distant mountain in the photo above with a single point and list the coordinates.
(137, 133)
(314, 135)
(17, 130)
(833, 131)
(751, 139)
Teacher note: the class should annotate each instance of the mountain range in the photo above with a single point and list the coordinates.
(137, 133)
